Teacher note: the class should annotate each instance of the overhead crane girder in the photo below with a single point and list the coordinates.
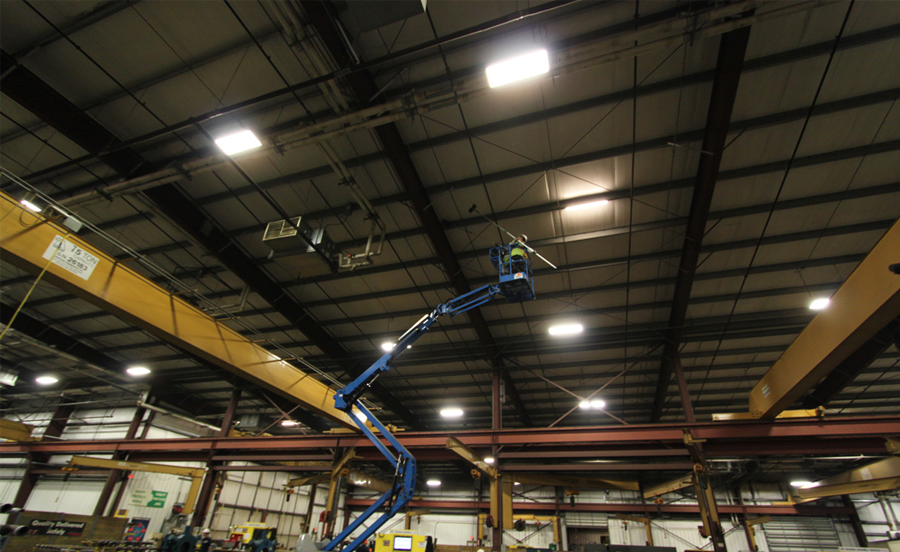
(114, 287)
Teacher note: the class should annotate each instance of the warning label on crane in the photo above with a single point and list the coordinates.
(71, 257)
(148, 499)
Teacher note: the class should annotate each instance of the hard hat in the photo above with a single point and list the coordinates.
(206, 530)
(524, 237)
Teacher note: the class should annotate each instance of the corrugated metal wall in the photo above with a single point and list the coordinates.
(806, 534)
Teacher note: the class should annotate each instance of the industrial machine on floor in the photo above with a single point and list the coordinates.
(264, 540)
(402, 541)
(515, 283)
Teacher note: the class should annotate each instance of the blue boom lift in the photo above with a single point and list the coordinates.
(516, 284)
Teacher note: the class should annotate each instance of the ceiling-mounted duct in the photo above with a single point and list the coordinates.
(374, 14)
(284, 239)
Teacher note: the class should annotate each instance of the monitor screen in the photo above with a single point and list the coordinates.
(402, 543)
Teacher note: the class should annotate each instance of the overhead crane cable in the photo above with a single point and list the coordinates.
(536, 162)
(603, 118)
(870, 384)
(288, 356)
(855, 173)
(142, 104)
(674, 150)
(30, 290)
(464, 121)
(787, 171)
(257, 100)
(474, 262)
(181, 59)
(487, 26)
(634, 99)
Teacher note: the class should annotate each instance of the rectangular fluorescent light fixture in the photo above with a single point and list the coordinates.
(238, 142)
(46, 380)
(566, 329)
(433, 482)
(387, 347)
(489, 460)
(518, 68)
(800, 484)
(452, 413)
(30, 206)
(138, 370)
(289, 423)
(588, 205)
(819, 304)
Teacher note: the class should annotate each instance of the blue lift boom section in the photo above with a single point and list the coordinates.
(516, 284)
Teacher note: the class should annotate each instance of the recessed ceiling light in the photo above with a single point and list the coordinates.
(30, 206)
(289, 423)
(819, 304)
(387, 347)
(138, 370)
(489, 460)
(45, 380)
(238, 142)
(588, 205)
(452, 413)
(518, 68)
(801, 483)
(433, 482)
(516, 483)
(566, 329)
(598, 404)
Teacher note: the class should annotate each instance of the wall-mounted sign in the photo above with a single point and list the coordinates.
(148, 499)
(56, 527)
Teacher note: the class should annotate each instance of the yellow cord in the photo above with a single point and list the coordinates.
(34, 285)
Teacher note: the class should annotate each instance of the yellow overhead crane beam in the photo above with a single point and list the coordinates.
(866, 302)
(883, 475)
(196, 474)
(574, 482)
(751, 530)
(670, 486)
(15, 431)
(639, 519)
(27, 241)
(357, 478)
(524, 517)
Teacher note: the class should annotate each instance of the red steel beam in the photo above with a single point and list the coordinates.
(770, 434)
(277, 468)
(612, 466)
(798, 510)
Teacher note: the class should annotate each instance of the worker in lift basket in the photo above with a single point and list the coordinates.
(518, 253)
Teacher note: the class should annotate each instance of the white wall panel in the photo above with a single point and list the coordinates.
(65, 497)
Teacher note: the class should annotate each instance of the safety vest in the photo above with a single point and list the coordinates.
(516, 250)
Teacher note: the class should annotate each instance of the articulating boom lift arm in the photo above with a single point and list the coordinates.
(516, 285)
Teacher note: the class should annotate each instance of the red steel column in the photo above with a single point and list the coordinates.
(54, 429)
(683, 389)
(209, 482)
(496, 424)
(114, 475)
